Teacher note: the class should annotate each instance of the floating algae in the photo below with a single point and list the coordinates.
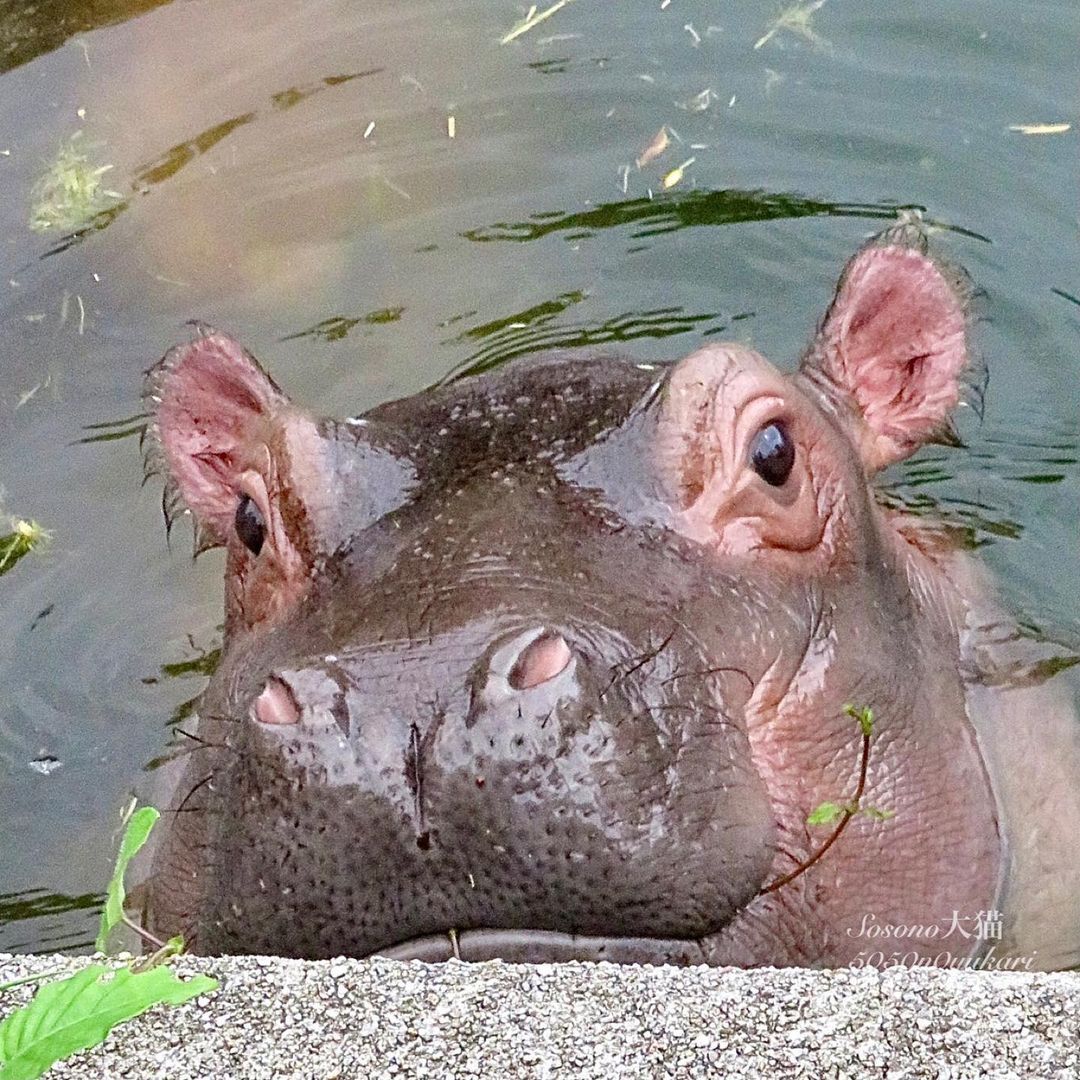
(71, 193)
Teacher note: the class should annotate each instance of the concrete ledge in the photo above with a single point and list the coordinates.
(381, 1018)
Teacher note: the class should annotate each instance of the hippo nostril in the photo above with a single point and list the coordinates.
(276, 704)
(542, 659)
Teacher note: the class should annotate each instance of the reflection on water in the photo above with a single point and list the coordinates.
(666, 213)
(338, 326)
(111, 430)
(199, 667)
(182, 154)
(980, 521)
(41, 921)
(28, 30)
(539, 328)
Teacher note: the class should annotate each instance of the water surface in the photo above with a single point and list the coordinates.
(285, 171)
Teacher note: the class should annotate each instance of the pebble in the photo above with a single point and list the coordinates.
(271, 1018)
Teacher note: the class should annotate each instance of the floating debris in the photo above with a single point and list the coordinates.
(699, 102)
(369, 129)
(1040, 129)
(28, 395)
(451, 126)
(532, 19)
(676, 174)
(26, 536)
(45, 764)
(71, 192)
(796, 20)
(657, 145)
(397, 189)
(689, 28)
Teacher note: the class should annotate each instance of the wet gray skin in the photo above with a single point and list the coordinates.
(426, 788)
(552, 663)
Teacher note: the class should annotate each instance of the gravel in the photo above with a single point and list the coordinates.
(277, 1018)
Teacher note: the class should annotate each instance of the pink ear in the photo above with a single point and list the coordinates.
(206, 398)
(894, 343)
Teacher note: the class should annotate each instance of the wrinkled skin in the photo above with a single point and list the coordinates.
(552, 663)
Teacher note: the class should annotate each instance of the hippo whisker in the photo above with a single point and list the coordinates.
(621, 673)
(182, 807)
(722, 669)
(200, 743)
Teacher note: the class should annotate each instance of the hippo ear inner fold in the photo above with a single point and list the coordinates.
(893, 344)
(205, 398)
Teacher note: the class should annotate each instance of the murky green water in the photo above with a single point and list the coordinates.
(286, 172)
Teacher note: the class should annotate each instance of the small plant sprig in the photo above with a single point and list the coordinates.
(840, 813)
(78, 1012)
(138, 824)
(23, 538)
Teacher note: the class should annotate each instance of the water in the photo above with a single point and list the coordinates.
(365, 262)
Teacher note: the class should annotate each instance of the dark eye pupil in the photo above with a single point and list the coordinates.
(250, 526)
(772, 454)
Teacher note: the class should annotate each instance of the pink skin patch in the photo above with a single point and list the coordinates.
(894, 343)
(212, 393)
(540, 661)
(226, 430)
(276, 705)
(719, 399)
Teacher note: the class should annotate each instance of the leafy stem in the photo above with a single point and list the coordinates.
(828, 812)
(77, 1012)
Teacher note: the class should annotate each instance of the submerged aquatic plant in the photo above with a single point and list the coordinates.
(71, 192)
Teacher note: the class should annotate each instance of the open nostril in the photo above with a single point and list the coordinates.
(276, 704)
(540, 660)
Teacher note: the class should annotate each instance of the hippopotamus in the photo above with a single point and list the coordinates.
(591, 658)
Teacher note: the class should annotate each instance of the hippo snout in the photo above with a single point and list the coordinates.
(515, 782)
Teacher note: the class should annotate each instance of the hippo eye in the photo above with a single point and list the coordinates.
(772, 454)
(250, 526)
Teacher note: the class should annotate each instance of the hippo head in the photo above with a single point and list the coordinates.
(553, 662)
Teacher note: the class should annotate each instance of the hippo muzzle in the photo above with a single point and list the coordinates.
(531, 783)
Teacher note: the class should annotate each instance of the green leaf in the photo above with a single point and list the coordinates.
(825, 814)
(876, 814)
(41, 976)
(864, 716)
(26, 536)
(135, 835)
(79, 1012)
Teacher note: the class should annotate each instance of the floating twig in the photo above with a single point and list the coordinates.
(1040, 129)
(796, 20)
(532, 19)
